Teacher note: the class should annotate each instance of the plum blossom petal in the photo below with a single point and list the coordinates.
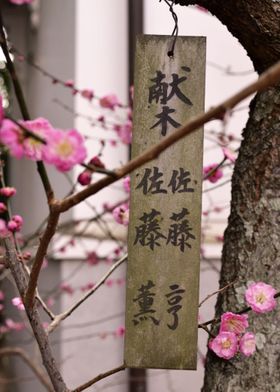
(260, 296)
(247, 344)
(224, 345)
(236, 323)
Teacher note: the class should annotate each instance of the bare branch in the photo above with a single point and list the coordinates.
(21, 278)
(68, 312)
(98, 378)
(268, 78)
(36, 370)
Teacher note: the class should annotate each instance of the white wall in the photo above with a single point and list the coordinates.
(101, 65)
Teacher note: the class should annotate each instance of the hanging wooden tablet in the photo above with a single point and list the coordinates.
(165, 207)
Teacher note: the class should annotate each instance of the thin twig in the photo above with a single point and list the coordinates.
(268, 78)
(216, 292)
(59, 318)
(39, 258)
(218, 319)
(98, 378)
(36, 370)
(22, 104)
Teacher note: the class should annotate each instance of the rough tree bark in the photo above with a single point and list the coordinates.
(252, 239)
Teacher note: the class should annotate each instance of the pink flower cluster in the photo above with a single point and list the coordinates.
(260, 297)
(63, 149)
(229, 340)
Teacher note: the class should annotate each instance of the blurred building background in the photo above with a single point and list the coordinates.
(92, 42)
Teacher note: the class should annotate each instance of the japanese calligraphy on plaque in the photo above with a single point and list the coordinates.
(165, 207)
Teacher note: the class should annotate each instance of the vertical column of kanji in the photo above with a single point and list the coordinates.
(165, 207)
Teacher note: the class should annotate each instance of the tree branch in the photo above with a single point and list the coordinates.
(98, 378)
(268, 78)
(22, 104)
(39, 258)
(33, 315)
(36, 370)
(57, 320)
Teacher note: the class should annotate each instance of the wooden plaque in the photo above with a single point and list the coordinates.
(165, 207)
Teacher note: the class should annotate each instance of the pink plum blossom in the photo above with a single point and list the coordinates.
(84, 178)
(121, 214)
(2, 295)
(96, 161)
(65, 149)
(247, 344)
(215, 175)
(3, 208)
(260, 296)
(225, 345)
(88, 94)
(8, 191)
(15, 223)
(109, 101)
(17, 302)
(18, 219)
(126, 184)
(12, 226)
(236, 323)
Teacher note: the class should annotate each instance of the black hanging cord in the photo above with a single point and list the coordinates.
(175, 31)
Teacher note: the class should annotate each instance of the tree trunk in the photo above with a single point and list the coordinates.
(252, 239)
